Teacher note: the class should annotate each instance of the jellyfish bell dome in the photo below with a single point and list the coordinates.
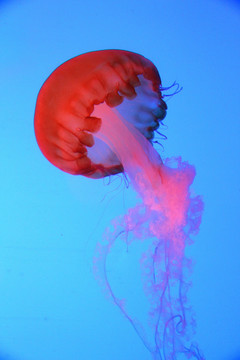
(67, 122)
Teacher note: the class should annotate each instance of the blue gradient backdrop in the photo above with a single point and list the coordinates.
(50, 305)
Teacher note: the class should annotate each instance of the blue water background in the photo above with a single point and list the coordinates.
(50, 305)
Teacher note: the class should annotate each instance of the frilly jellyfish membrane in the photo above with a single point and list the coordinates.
(96, 115)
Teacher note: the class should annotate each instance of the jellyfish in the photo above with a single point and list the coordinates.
(97, 115)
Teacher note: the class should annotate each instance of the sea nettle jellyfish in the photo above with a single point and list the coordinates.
(96, 116)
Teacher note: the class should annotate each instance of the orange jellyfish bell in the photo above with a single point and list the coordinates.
(64, 128)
